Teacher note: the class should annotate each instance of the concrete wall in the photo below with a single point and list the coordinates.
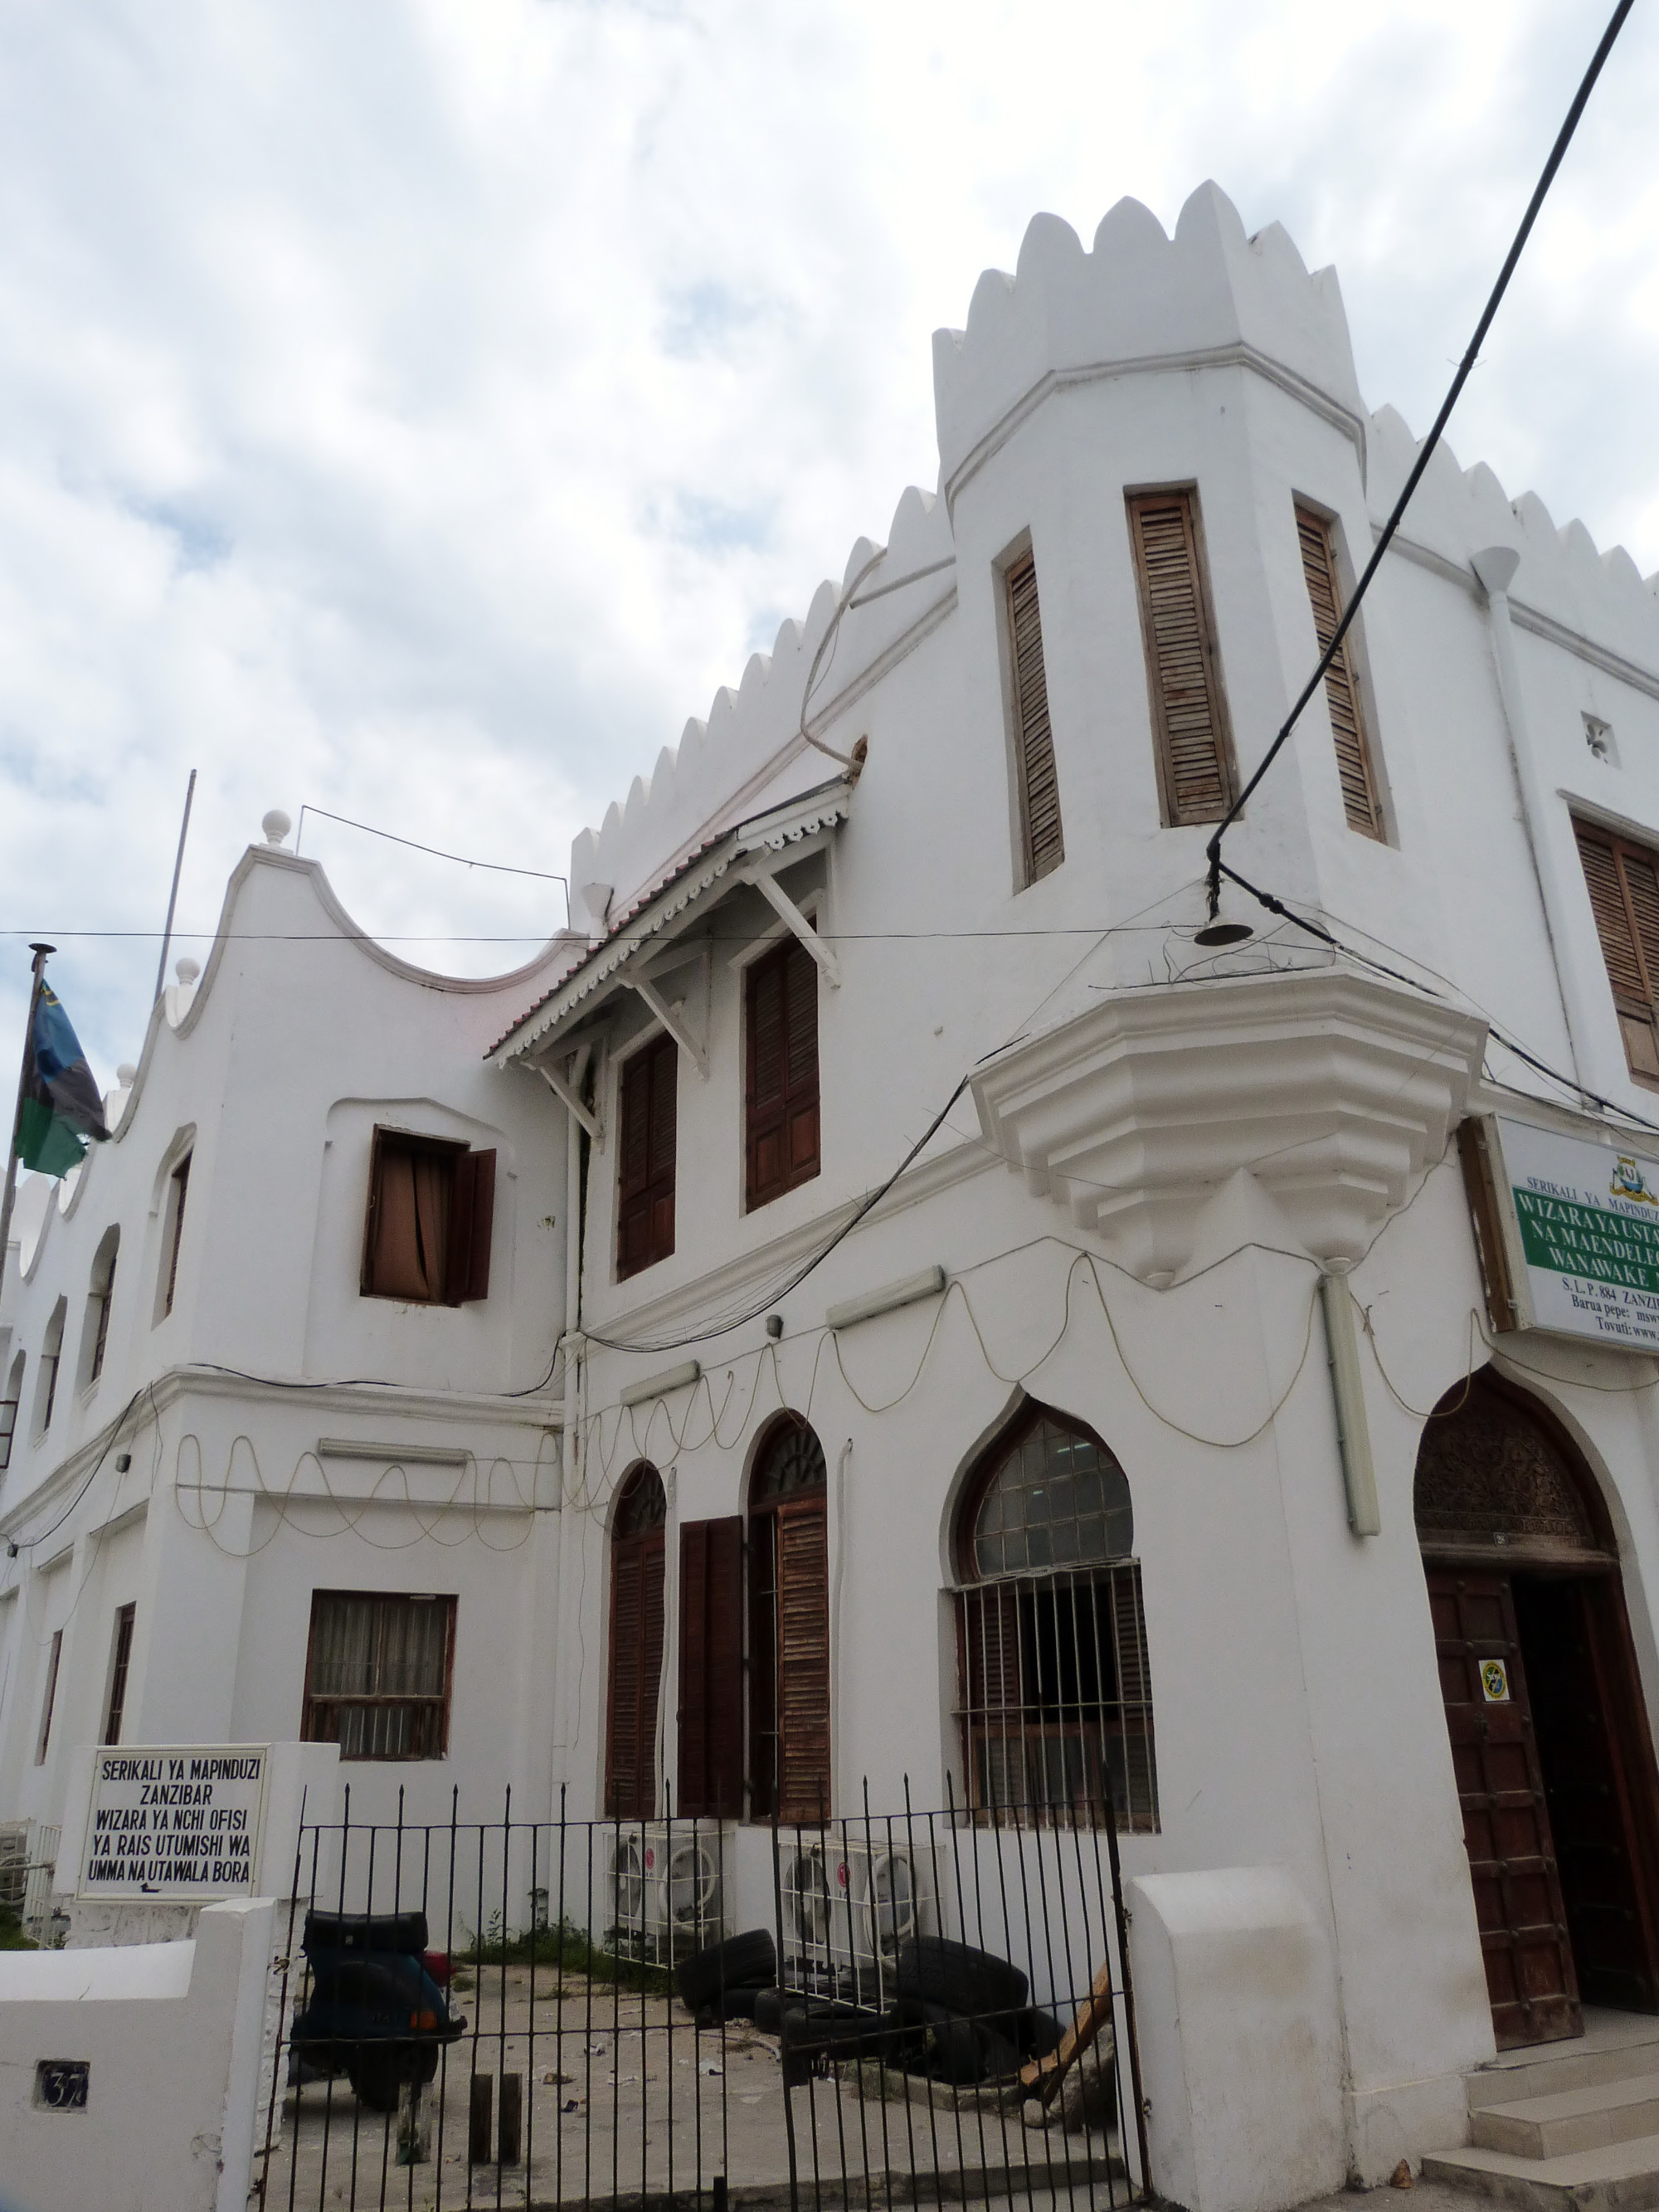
(172, 2036)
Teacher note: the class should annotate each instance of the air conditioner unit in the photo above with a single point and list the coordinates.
(883, 1893)
(13, 1863)
(806, 1908)
(663, 1895)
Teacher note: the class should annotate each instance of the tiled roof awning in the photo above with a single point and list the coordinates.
(659, 914)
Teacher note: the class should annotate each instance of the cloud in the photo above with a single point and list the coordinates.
(419, 410)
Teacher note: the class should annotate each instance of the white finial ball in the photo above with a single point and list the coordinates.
(188, 969)
(276, 825)
(126, 1075)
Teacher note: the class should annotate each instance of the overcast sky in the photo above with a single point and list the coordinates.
(417, 410)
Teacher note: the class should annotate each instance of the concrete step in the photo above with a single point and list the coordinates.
(1617, 2177)
(1573, 2120)
(1509, 2081)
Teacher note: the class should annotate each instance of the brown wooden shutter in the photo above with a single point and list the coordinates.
(636, 1678)
(1623, 896)
(472, 1216)
(782, 1120)
(645, 1215)
(711, 1669)
(803, 1661)
(1034, 742)
(1193, 747)
(1360, 801)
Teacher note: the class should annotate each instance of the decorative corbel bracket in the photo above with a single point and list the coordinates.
(566, 1097)
(671, 1022)
(793, 920)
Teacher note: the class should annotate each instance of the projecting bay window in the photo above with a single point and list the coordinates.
(431, 1204)
(378, 1675)
(1197, 776)
(1622, 878)
(1052, 1682)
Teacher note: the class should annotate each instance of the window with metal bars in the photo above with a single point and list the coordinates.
(1197, 775)
(1041, 842)
(637, 1638)
(1362, 802)
(120, 1661)
(1622, 878)
(1054, 1686)
(378, 1675)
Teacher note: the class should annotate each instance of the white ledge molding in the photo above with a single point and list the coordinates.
(1333, 1089)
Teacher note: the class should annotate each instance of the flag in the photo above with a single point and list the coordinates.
(60, 1106)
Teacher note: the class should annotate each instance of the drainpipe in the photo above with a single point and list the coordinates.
(1496, 568)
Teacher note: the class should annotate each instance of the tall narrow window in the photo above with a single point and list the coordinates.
(51, 1698)
(8, 1410)
(178, 1190)
(120, 1661)
(1196, 776)
(782, 1002)
(45, 1382)
(1054, 1688)
(1623, 881)
(426, 1237)
(378, 1675)
(645, 1212)
(100, 1335)
(789, 1628)
(711, 1668)
(636, 1620)
(100, 1290)
(1361, 802)
(1042, 845)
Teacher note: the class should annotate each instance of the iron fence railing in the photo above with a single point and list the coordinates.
(912, 2006)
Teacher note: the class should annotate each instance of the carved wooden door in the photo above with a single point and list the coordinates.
(1506, 1827)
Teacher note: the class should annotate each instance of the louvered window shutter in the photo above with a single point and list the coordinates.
(637, 1633)
(1195, 771)
(803, 1662)
(471, 1211)
(1623, 896)
(711, 1669)
(645, 1210)
(1039, 786)
(1360, 801)
(782, 1103)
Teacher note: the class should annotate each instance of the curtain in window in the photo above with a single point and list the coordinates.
(412, 1225)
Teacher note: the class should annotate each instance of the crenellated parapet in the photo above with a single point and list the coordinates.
(1457, 512)
(1139, 298)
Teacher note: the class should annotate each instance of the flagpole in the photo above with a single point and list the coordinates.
(40, 952)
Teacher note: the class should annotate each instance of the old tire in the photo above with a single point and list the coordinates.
(936, 1971)
(745, 1961)
(376, 2077)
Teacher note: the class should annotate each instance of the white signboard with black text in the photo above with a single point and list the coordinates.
(1581, 1223)
(174, 1821)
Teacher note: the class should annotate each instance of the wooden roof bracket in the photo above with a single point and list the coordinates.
(565, 1093)
(793, 920)
(671, 1021)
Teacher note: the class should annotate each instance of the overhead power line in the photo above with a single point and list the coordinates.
(1563, 139)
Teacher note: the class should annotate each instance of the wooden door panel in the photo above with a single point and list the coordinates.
(1518, 1904)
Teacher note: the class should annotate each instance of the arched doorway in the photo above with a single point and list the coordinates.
(1549, 1736)
(635, 1677)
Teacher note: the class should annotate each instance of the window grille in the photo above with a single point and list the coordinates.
(378, 1675)
(1055, 1688)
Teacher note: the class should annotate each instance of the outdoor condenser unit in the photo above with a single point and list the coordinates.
(664, 1892)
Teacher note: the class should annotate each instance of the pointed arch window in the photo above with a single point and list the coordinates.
(636, 1636)
(1054, 1686)
(789, 1627)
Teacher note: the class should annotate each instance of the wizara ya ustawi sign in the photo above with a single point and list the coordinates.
(174, 1821)
(1579, 1227)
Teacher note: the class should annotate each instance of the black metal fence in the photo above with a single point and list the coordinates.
(910, 2007)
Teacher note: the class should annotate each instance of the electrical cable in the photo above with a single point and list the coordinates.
(496, 868)
(1563, 139)
(28, 1543)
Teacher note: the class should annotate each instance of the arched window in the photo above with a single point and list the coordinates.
(1054, 1688)
(95, 1332)
(45, 1380)
(9, 1405)
(636, 1631)
(789, 1627)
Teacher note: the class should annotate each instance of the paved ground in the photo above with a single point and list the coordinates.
(623, 2095)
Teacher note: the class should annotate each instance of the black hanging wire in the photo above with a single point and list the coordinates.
(1212, 850)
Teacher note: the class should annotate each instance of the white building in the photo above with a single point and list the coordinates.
(1064, 1518)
